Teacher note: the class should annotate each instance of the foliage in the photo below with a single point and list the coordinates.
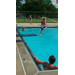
(18, 5)
(38, 5)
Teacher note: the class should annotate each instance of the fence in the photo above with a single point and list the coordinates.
(36, 14)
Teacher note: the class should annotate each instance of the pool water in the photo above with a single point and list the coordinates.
(44, 46)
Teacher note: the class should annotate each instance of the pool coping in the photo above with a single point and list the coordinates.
(46, 72)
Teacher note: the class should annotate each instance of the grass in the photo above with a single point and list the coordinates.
(22, 20)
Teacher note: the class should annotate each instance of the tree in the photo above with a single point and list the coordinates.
(18, 5)
(32, 5)
(38, 5)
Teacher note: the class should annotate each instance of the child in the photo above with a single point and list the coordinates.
(23, 29)
(30, 19)
(47, 66)
(43, 25)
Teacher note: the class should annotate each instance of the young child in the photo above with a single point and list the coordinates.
(23, 29)
(30, 19)
(47, 66)
(43, 25)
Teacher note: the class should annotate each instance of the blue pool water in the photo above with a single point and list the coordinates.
(44, 46)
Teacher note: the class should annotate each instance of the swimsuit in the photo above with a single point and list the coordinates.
(43, 27)
(43, 24)
(30, 18)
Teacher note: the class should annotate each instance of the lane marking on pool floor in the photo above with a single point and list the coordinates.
(21, 60)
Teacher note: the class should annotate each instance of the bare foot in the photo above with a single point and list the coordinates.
(31, 24)
(40, 34)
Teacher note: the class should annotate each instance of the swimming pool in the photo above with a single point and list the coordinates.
(44, 46)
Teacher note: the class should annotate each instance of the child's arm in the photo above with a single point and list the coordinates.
(31, 18)
(45, 24)
(38, 61)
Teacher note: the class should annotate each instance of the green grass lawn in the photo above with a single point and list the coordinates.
(22, 20)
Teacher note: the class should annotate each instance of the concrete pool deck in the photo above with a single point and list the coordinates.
(24, 64)
(36, 25)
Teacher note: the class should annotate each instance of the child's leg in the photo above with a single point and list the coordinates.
(45, 27)
(30, 22)
(41, 30)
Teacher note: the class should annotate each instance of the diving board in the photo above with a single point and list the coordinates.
(20, 35)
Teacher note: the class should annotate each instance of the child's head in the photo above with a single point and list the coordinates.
(52, 59)
(44, 18)
(30, 15)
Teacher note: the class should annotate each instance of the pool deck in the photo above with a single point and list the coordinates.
(24, 64)
(36, 25)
